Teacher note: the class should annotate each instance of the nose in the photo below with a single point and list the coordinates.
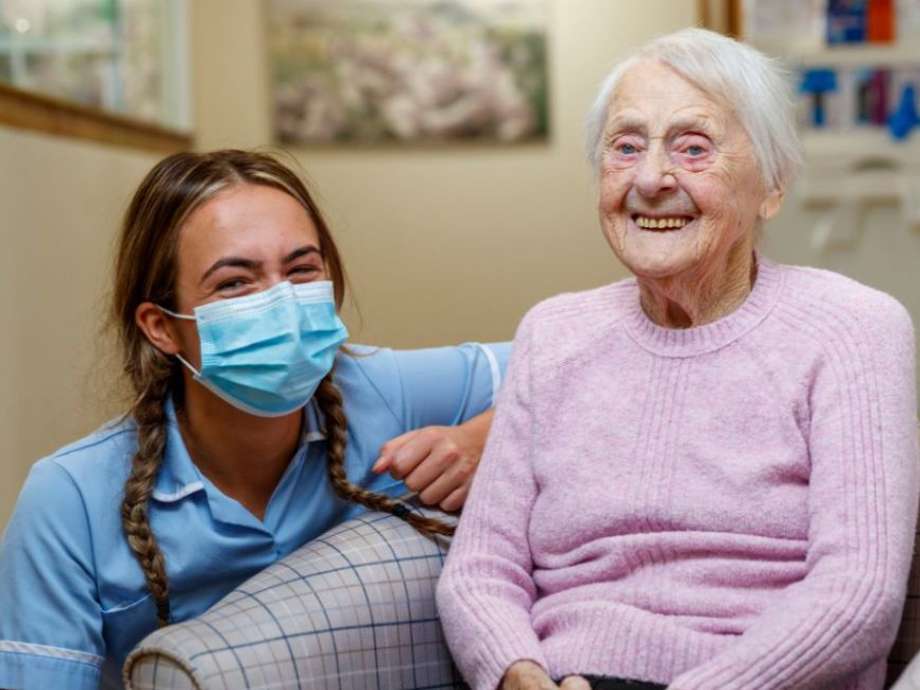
(655, 175)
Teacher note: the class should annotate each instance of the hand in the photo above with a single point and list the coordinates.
(437, 462)
(526, 675)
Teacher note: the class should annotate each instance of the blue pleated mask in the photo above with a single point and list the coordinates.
(267, 353)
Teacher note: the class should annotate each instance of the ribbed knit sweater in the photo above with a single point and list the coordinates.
(723, 507)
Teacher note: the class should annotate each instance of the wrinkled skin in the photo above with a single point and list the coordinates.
(671, 151)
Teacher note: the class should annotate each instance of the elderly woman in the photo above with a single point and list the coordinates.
(704, 477)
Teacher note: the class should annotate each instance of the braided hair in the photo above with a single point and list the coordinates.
(329, 399)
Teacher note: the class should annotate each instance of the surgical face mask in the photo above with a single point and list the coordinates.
(266, 353)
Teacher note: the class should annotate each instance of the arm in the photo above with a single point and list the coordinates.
(843, 616)
(442, 387)
(50, 620)
(486, 590)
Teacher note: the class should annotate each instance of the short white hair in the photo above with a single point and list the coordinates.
(754, 85)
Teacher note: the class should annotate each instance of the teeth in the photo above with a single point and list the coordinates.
(660, 223)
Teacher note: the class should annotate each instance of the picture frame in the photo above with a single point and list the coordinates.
(408, 72)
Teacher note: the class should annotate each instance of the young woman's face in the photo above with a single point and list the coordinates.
(246, 239)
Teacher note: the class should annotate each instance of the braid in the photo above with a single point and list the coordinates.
(329, 399)
(148, 412)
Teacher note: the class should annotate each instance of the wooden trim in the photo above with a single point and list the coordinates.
(26, 110)
(734, 19)
(702, 11)
(721, 15)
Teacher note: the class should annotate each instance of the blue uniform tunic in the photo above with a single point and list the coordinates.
(73, 600)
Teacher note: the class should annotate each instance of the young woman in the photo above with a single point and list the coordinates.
(252, 429)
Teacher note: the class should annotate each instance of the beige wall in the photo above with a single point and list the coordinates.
(442, 245)
(60, 201)
(445, 245)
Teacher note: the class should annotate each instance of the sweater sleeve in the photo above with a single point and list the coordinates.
(843, 615)
(486, 591)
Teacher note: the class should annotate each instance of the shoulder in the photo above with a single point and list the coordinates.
(382, 368)
(582, 309)
(67, 492)
(109, 446)
(576, 319)
(94, 466)
(834, 302)
(368, 378)
(363, 368)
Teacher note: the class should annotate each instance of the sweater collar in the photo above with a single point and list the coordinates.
(688, 342)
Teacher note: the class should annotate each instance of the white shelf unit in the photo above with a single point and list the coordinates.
(850, 167)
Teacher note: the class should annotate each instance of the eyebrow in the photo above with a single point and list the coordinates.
(631, 124)
(301, 252)
(624, 124)
(698, 124)
(251, 265)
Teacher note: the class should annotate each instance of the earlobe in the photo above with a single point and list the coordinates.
(157, 327)
(771, 205)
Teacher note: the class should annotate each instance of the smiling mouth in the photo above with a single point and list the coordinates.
(661, 222)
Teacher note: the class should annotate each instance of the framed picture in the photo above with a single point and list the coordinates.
(123, 57)
(408, 71)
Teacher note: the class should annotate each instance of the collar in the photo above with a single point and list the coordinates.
(673, 342)
(178, 476)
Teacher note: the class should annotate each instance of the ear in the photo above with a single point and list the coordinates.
(771, 205)
(158, 328)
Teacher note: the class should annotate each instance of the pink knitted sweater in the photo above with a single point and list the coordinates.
(724, 507)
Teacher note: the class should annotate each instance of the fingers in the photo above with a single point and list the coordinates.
(526, 675)
(388, 450)
(439, 461)
(575, 683)
(439, 475)
(457, 498)
(410, 453)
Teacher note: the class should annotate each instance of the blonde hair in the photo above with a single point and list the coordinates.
(145, 271)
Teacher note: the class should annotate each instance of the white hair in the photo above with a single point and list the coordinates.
(754, 85)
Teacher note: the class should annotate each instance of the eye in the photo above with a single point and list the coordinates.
(304, 271)
(232, 285)
(625, 149)
(693, 151)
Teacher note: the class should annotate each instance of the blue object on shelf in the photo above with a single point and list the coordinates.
(905, 116)
(846, 21)
(818, 82)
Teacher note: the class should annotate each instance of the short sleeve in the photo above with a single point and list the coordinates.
(449, 385)
(51, 620)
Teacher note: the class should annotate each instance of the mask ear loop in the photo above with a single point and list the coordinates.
(184, 317)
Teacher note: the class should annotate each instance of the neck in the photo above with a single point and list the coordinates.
(702, 295)
(241, 454)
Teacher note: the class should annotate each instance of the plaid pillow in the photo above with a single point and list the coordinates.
(354, 609)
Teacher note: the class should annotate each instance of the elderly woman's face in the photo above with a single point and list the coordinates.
(679, 182)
